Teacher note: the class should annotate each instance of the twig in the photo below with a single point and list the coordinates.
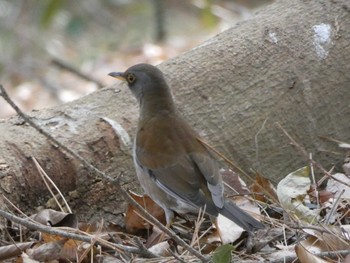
(15, 207)
(341, 144)
(14, 250)
(204, 232)
(45, 177)
(93, 241)
(198, 223)
(322, 229)
(176, 256)
(326, 176)
(314, 181)
(256, 140)
(234, 166)
(205, 144)
(327, 254)
(334, 207)
(103, 175)
(29, 120)
(71, 69)
(59, 232)
(304, 153)
(144, 252)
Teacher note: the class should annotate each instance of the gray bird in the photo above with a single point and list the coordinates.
(173, 167)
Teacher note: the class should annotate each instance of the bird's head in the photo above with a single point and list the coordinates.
(144, 80)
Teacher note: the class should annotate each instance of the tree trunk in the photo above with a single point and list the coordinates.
(290, 64)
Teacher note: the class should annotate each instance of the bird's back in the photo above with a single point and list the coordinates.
(164, 138)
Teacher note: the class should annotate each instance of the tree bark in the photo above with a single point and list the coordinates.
(289, 64)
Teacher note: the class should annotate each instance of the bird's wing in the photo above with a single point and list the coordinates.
(185, 180)
(210, 170)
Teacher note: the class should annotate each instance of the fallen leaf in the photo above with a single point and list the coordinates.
(291, 192)
(263, 190)
(133, 222)
(156, 237)
(160, 249)
(228, 230)
(234, 184)
(306, 256)
(48, 251)
(50, 217)
(14, 249)
(336, 238)
(339, 185)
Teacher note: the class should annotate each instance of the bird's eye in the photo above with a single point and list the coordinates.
(130, 78)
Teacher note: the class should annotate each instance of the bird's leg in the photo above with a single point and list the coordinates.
(214, 220)
(169, 216)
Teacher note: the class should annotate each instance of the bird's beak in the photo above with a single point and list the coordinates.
(117, 75)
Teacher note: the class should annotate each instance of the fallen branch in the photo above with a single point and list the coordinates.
(59, 232)
(75, 71)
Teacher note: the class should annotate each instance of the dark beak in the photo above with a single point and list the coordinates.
(117, 75)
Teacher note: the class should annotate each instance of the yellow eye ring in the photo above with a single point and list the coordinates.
(130, 78)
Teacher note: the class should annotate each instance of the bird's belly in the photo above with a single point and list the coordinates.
(163, 199)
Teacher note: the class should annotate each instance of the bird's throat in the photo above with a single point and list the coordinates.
(160, 104)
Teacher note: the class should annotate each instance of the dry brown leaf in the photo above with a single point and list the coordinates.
(235, 184)
(48, 251)
(263, 190)
(156, 237)
(347, 259)
(210, 243)
(14, 250)
(51, 217)
(335, 238)
(306, 256)
(321, 196)
(324, 196)
(133, 222)
(72, 249)
(314, 244)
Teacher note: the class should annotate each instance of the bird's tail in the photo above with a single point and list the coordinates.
(241, 218)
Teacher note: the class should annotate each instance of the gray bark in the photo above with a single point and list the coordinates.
(289, 64)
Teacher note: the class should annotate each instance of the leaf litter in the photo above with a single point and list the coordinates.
(302, 222)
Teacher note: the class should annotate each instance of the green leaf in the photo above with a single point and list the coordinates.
(75, 26)
(208, 18)
(50, 11)
(222, 254)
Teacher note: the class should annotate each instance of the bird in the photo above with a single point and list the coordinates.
(173, 167)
